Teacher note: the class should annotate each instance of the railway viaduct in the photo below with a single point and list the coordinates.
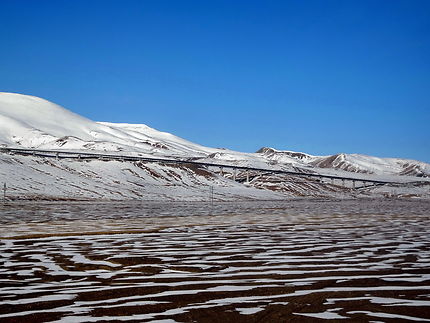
(246, 173)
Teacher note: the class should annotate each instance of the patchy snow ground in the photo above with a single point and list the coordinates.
(264, 261)
(33, 177)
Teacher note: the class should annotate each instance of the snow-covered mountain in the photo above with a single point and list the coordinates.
(32, 122)
(353, 163)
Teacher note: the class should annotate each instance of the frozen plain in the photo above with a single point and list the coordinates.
(358, 260)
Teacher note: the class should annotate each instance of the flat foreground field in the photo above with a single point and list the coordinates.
(291, 261)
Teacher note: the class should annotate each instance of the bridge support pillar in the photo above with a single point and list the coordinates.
(221, 171)
(247, 176)
(332, 181)
(343, 182)
(353, 184)
(56, 156)
(234, 174)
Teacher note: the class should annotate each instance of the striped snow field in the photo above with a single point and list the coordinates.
(244, 268)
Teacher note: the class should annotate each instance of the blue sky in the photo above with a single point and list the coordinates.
(316, 76)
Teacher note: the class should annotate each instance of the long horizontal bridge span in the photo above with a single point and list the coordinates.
(61, 154)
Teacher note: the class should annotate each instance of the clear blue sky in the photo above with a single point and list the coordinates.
(316, 76)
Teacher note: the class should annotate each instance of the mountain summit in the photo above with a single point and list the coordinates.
(32, 122)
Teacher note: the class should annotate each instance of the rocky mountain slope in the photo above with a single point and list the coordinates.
(353, 163)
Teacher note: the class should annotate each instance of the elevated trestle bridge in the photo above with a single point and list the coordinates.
(247, 173)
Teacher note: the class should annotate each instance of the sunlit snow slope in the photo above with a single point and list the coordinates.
(32, 122)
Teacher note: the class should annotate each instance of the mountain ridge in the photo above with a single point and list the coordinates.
(35, 123)
(32, 122)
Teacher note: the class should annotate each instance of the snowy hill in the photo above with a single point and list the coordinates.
(31, 122)
(374, 165)
(353, 163)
